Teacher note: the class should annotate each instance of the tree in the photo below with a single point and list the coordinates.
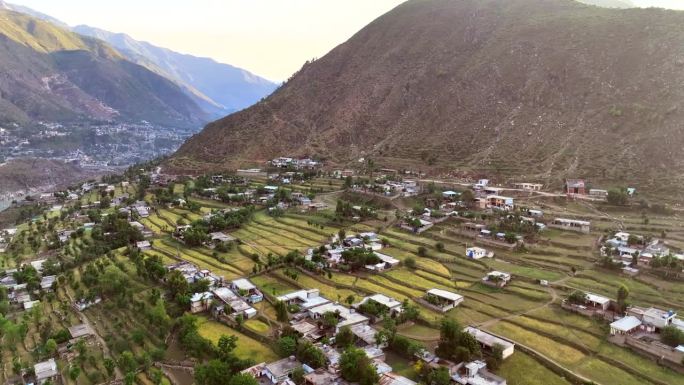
(310, 355)
(617, 197)
(281, 311)
(439, 246)
(410, 263)
(671, 335)
(439, 376)
(246, 379)
(50, 346)
(355, 366)
(109, 366)
(298, 375)
(496, 359)
(622, 294)
(74, 372)
(577, 297)
(127, 362)
(213, 372)
(344, 338)
(467, 197)
(286, 346)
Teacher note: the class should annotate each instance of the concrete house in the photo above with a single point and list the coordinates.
(529, 186)
(496, 279)
(279, 371)
(575, 187)
(475, 373)
(488, 341)
(442, 299)
(246, 289)
(305, 299)
(499, 202)
(478, 253)
(571, 225)
(46, 371)
(393, 306)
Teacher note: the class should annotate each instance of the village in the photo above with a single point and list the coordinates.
(335, 276)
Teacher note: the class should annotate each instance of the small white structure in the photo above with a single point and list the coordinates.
(625, 325)
(143, 245)
(279, 371)
(200, 302)
(478, 253)
(598, 301)
(443, 299)
(497, 278)
(386, 262)
(571, 225)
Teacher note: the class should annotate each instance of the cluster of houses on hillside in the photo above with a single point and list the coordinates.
(638, 328)
(633, 250)
(298, 164)
(332, 256)
(232, 299)
(20, 294)
(308, 308)
(389, 188)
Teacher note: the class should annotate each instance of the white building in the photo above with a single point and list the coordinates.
(305, 299)
(446, 300)
(489, 341)
(478, 253)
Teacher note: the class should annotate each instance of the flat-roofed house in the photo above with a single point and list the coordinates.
(598, 301)
(346, 316)
(45, 371)
(305, 299)
(478, 253)
(488, 341)
(442, 299)
(571, 225)
(500, 202)
(529, 186)
(244, 288)
(280, 371)
(625, 325)
(475, 373)
(80, 331)
(496, 278)
(575, 187)
(393, 306)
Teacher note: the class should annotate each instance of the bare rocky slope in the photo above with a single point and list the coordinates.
(534, 89)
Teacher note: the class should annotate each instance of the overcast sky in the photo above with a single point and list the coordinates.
(271, 38)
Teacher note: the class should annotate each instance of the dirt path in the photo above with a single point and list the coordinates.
(85, 320)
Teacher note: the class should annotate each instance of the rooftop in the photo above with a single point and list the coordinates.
(243, 284)
(78, 331)
(626, 324)
(445, 294)
(486, 338)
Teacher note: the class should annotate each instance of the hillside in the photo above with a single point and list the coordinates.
(52, 74)
(218, 88)
(524, 88)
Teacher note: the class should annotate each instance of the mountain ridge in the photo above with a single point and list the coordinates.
(525, 88)
(53, 74)
(221, 88)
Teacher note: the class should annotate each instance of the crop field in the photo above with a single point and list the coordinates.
(247, 347)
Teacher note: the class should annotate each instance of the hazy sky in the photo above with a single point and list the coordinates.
(271, 38)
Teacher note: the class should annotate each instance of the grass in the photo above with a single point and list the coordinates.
(522, 369)
(272, 285)
(258, 326)
(247, 347)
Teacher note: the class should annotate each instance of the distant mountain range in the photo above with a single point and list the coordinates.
(54, 73)
(218, 88)
(531, 89)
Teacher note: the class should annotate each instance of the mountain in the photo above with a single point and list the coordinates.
(52, 74)
(218, 88)
(533, 89)
(34, 13)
